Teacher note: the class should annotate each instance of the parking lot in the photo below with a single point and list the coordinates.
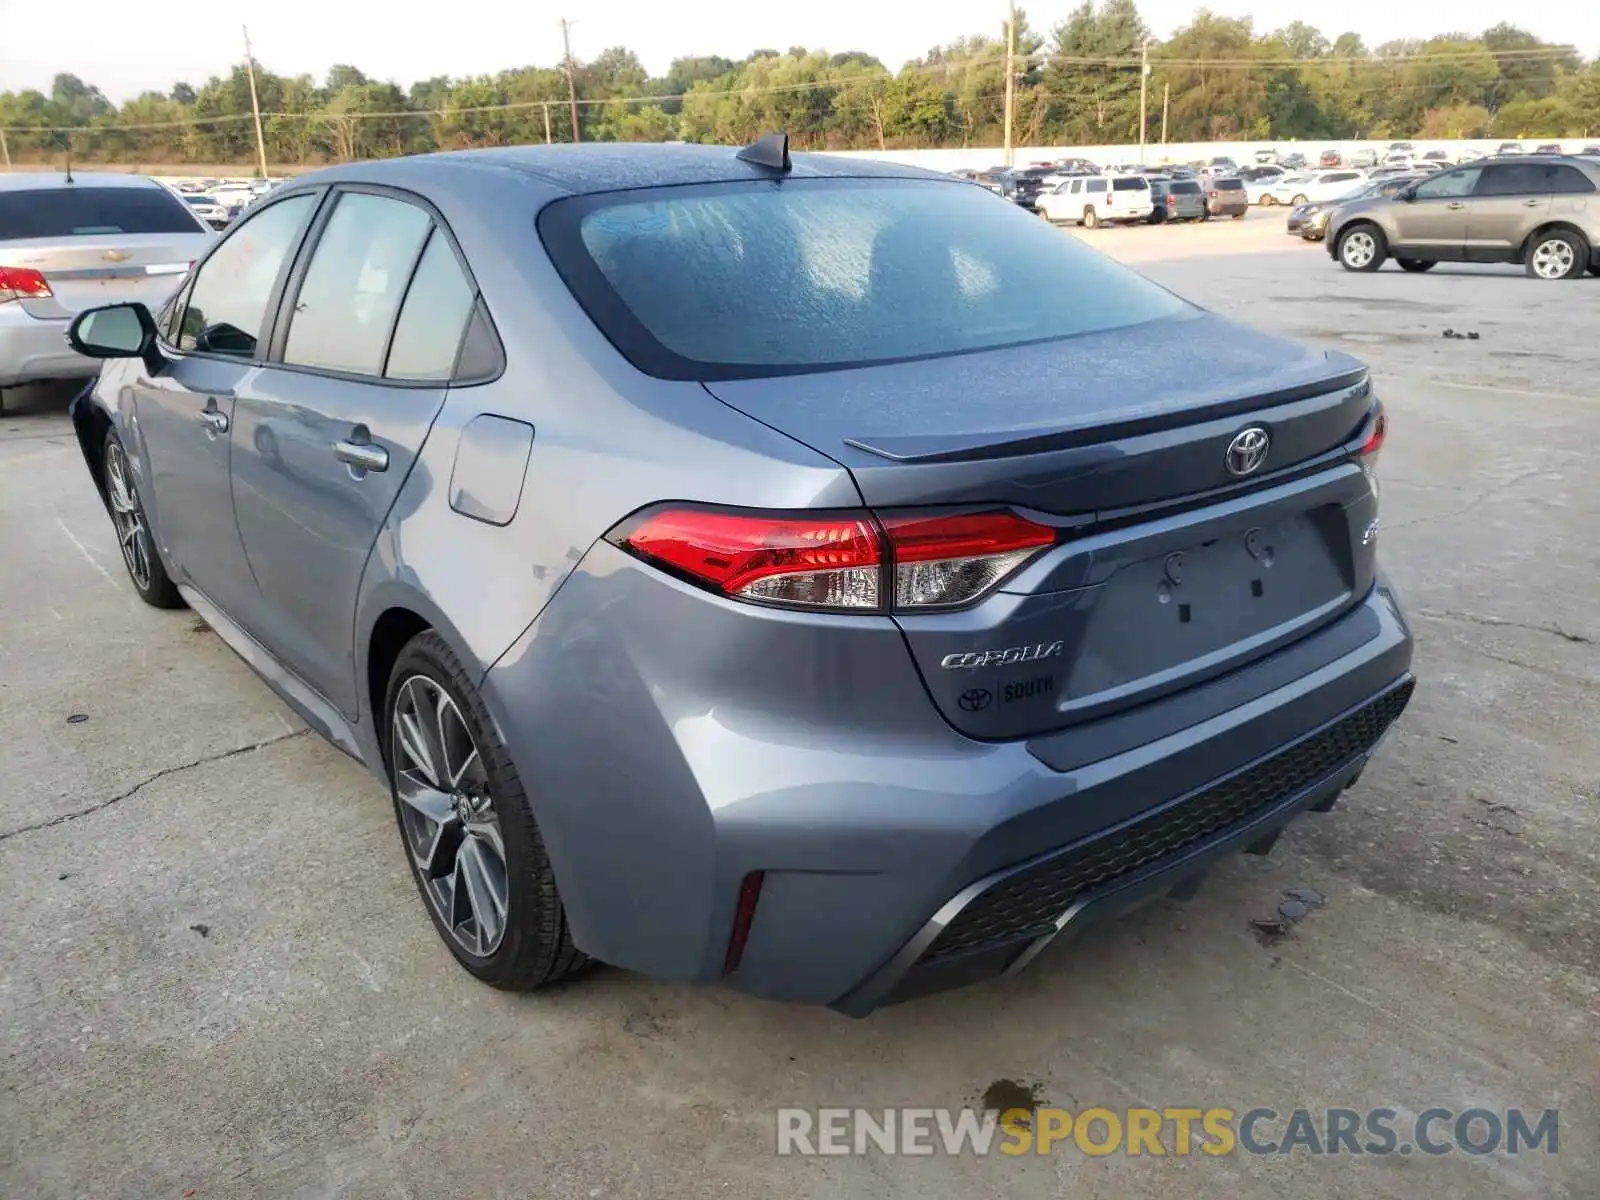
(216, 978)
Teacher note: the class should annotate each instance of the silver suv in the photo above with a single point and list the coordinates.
(1538, 210)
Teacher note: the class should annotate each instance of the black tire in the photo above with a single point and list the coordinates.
(1091, 218)
(1206, 216)
(1415, 264)
(536, 949)
(1267, 200)
(1346, 250)
(1594, 269)
(1576, 255)
(1238, 216)
(140, 556)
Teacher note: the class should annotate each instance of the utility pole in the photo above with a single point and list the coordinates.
(572, 83)
(1011, 72)
(255, 104)
(1166, 95)
(545, 107)
(5, 150)
(1144, 80)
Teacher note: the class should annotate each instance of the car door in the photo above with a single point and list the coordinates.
(1094, 194)
(326, 433)
(1430, 221)
(185, 411)
(1510, 200)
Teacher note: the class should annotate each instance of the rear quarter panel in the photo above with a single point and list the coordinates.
(607, 441)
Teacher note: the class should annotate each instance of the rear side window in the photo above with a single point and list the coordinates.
(1515, 179)
(750, 279)
(1569, 181)
(1095, 185)
(1130, 185)
(91, 211)
(347, 303)
(434, 316)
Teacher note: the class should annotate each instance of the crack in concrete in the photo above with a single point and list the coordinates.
(1478, 619)
(98, 806)
(1493, 493)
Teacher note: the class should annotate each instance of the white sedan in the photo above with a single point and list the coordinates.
(1313, 186)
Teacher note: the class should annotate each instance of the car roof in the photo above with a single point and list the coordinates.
(28, 181)
(603, 167)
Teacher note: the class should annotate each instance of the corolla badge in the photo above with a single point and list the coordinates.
(1248, 450)
(1009, 657)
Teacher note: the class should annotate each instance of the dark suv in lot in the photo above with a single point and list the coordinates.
(1022, 185)
(1542, 211)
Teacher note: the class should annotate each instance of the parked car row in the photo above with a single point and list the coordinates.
(1129, 198)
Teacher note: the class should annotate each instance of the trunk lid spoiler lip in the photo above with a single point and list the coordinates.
(971, 447)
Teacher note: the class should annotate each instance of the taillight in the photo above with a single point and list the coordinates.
(22, 283)
(940, 561)
(841, 561)
(1377, 430)
(823, 561)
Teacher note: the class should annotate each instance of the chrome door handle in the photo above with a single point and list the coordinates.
(1455, 204)
(214, 421)
(363, 455)
(1532, 203)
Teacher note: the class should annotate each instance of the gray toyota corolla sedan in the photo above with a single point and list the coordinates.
(815, 576)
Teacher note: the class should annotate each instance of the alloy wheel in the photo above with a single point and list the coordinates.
(1553, 259)
(127, 515)
(1358, 249)
(448, 816)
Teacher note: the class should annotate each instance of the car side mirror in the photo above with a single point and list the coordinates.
(116, 331)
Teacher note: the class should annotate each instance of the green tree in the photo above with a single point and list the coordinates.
(1216, 92)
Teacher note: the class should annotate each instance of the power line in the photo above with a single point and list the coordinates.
(867, 76)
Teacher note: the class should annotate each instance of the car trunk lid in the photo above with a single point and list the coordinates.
(83, 272)
(1170, 567)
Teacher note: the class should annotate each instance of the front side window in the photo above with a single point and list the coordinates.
(744, 280)
(347, 303)
(1449, 185)
(228, 302)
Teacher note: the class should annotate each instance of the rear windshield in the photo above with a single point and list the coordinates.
(740, 280)
(1130, 185)
(1228, 185)
(87, 211)
(1186, 187)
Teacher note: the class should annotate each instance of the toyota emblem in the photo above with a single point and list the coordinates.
(1248, 450)
(975, 699)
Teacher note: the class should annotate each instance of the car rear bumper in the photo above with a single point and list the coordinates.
(875, 828)
(999, 924)
(36, 349)
(1228, 208)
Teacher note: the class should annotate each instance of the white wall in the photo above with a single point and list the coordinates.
(1240, 152)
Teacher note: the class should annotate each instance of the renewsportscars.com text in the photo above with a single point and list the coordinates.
(1216, 1132)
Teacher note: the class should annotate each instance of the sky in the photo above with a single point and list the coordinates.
(126, 47)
